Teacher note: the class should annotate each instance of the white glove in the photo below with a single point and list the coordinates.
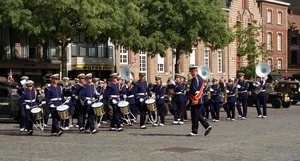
(100, 97)
(153, 96)
(76, 97)
(124, 96)
(258, 84)
(89, 102)
(114, 102)
(211, 90)
(93, 99)
(141, 99)
(254, 84)
(238, 86)
(23, 82)
(173, 82)
(227, 91)
(67, 101)
(126, 86)
(43, 102)
(52, 106)
(27, 107)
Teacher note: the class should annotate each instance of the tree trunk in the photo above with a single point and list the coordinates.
(178, 61)
(64, 59)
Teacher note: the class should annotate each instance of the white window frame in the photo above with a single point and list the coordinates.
(269, 16)
(279, 64)
(279, 42)
(193, 57)
(160, 64)
(123, 55)
(269, 41)
(206, 57)
(279, 17)
(269, 61)
(220, 59)
(143, 61)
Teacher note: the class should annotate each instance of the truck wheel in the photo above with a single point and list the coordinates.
(250, 101)
(294, 102)
(276, 103)
(286, 105)
(166, 107)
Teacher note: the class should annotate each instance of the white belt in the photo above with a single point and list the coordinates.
(263, 90)
(242, 91)
(130, 96)
(115, 96)
(162, 97)
(178, 93)
(141, 94)
(55, 99)
(30, 101)
(231, 95)
(89, 98)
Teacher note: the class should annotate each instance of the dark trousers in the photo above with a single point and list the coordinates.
(238, 106)
(206, 110)
(46, 115)
(183, 111)
(196, 117)
(161, 112)
(81, 115)
(55, 128)
(176, 109)
(90, 121)
(261, 100)
(142, 109)
(29, 119)
(22, 117)
(215, 110)
(116, 116)
(230, 109)
(187, 106)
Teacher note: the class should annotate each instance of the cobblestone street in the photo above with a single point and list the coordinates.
(274, 138)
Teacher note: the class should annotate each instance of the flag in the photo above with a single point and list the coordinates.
(133, 63)
(10, 77)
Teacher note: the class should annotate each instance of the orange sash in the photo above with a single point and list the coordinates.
(197, 96)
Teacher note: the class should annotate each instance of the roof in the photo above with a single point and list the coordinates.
(280, 2)
(294, 5)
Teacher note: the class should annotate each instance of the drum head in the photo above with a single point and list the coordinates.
(97, 104)
(35, 110)
(62, 107)
(123, 104)
(150, 101)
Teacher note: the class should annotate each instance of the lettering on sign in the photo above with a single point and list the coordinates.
(4, 103)
(94, 67)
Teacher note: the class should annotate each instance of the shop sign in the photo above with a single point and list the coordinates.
(94, 67)
(294, 47)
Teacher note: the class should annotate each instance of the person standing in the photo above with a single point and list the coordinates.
(87, 96)
(195, 96)
(22, 112)
(242, 96)
(261, 98)
(80, 103)
(159, 96)
(54, 96)
(231, 99)
(29, 99)
(206, 99)
(177, 99)
(131, 94)
(142, 93)
(215, 90)
(67, 92)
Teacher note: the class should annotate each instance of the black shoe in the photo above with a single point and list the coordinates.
(81, 129)
(119, 129)
(94, 131)
(59, 133)
(191, 134)
(30, 132)
(207, 130)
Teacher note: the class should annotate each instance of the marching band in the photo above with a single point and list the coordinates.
(121, 100)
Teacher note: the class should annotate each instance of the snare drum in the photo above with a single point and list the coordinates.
(63, 112)
(98, 108)
(124, 107)
(37, 113)
(151, 105)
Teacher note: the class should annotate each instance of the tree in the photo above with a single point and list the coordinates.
(182, 24)
(250, 46)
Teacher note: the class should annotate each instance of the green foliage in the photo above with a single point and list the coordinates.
(250, 46)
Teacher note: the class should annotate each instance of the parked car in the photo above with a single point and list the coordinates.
(9, 101)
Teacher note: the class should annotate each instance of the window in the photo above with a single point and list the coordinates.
(143, 61)
(269, 61)
(206, 58)
(279, 61)
(294, 57)
(220, 54)
(160, 63)
(294, 40)
(193, 57)
(269, 41)
(279, 18)
(123, 55)
(244, 4)
(279, 42)
(269, 16)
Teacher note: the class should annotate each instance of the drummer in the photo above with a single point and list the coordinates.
(88, 95)
(131, 91)
(54, 97)
(159, 95)
(114, 94)
(98, 90)
(22, 113)
(142, 93)
(67, 89)
(79, 103)
(29, 99)
(74, 99)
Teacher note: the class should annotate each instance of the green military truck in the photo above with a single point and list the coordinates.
(9, 97)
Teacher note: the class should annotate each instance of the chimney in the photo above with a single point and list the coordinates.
(290, 11)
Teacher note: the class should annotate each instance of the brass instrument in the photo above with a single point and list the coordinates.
(224, 95)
